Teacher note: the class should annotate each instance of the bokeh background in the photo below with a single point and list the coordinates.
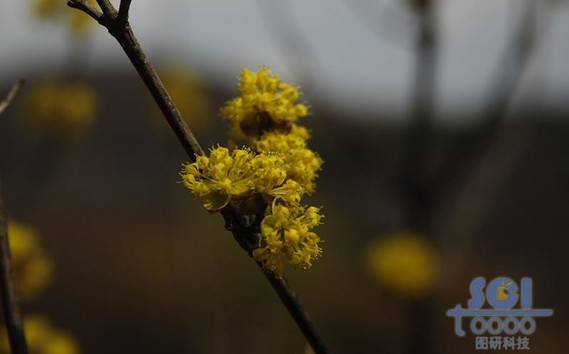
(442, 124)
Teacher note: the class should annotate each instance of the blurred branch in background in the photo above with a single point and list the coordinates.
(420, 127)
(417, 201)
(490, 155)
(119, 27)
(279, 20)
(473, 202)
(506, 79)
(391, 25)
(10, 307)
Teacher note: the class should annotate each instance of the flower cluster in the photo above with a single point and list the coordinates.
(266, 103)
(268, 179)
(287, 232)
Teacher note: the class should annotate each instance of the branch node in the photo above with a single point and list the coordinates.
(109, 10)
(82, 5)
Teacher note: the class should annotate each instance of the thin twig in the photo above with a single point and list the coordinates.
(123, 33)
(7, 102)
(123, 10)
(10, 307)
(294, 307)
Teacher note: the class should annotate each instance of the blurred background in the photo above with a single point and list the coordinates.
(442, 124)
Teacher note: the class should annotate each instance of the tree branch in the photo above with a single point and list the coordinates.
(296, 310)
(123, 33)
(10, 307)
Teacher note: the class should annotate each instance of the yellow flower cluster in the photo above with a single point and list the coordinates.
(58, 105)
(32, 267)
(43, 338)
(302, 164)
(287, 234)
(405, 263)
(265, 103)
(271, 176)
(56, 10)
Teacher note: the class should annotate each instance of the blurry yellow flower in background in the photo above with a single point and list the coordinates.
(189, 96)
(57, 11)
(59, 106)
(406, 263)
(43, 338)
(32, 267)
(32, 271)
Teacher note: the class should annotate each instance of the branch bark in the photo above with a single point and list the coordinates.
(10, 307)
(121, 30)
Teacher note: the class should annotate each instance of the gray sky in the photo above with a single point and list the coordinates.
(355, 66)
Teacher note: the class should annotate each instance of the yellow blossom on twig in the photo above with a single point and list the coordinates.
(265, 103)
(266, 182)
(287, 235)
(301, 163)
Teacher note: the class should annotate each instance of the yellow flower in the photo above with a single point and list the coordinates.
(44, 338)
(216, 178)
(301, 163)
(32, 268)
(406, 263)
(224, 176)
(266, 103)
(287, 236)
(52, 105)
(56, 10)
